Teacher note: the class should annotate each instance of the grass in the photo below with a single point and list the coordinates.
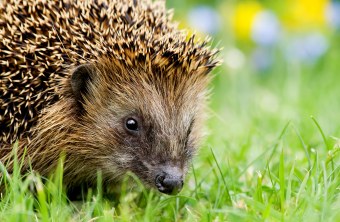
(272, 155)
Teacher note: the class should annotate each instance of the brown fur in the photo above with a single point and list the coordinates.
(143, 67)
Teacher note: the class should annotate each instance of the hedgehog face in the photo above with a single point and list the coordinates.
(150, 127)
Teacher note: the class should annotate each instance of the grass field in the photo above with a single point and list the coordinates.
(272, 153)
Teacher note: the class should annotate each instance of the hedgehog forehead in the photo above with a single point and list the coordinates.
(161, 97)
(136, 80)
(158, 95)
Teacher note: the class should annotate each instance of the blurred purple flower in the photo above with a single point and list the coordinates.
(333, 14)
(266, 28)
(204, 19)
(307, 48)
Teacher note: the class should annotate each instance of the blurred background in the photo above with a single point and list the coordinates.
(280, 58)
(281, 62)
(253, 31)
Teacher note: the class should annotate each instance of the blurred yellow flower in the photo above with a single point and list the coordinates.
(305, 13)
(243, 18)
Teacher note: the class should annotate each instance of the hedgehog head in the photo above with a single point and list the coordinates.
(145, 120)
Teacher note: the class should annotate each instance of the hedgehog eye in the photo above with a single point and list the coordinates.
(131, 124)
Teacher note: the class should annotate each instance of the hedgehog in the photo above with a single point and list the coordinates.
(112, 86)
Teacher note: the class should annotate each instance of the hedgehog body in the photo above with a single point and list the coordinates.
(113, 85)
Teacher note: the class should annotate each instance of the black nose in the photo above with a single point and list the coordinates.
(170, 182)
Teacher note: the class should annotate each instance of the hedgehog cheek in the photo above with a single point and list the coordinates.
(80, 79)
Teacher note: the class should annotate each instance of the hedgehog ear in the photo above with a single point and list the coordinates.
(80, 79)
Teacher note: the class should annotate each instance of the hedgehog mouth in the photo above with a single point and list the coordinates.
(166, 178)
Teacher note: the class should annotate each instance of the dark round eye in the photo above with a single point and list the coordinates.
(131, 124)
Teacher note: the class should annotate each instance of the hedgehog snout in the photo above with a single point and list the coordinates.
(169, 180)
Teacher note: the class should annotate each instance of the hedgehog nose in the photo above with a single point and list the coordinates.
(169, 181)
